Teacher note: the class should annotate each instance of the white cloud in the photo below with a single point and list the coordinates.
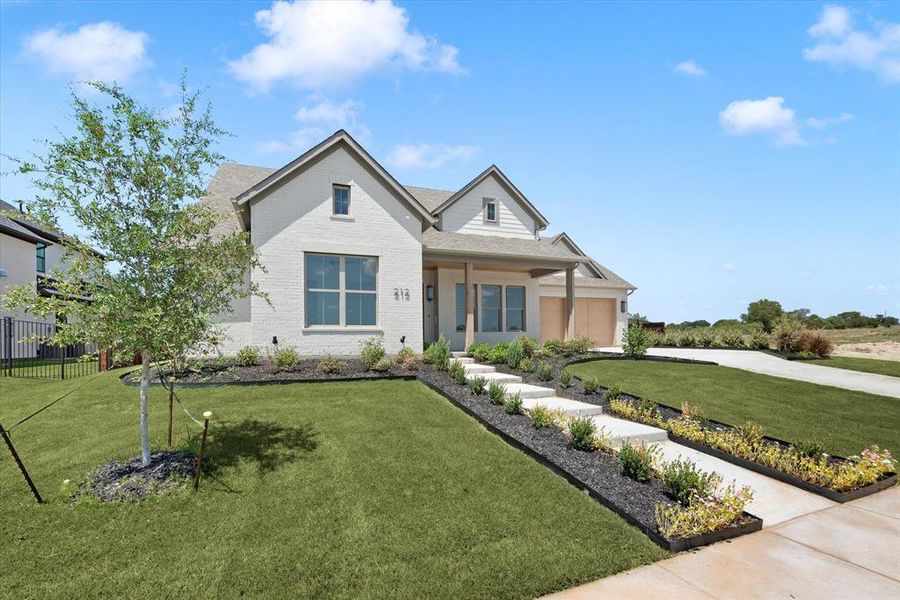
(840, 45)
(689, 68)
(98, 51)
(329, 44)
(329, 112)
(824, 122)
(427, 156)
(882, 289)
(728, 267)
(319, 119)
(769, 116)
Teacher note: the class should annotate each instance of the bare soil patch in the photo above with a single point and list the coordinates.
(887, 350)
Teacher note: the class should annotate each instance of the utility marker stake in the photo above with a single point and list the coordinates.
(206, 417)
(15, 456)
(171, 397)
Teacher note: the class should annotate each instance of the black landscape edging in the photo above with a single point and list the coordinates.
(841, 497)
(753, 523)
(616, 356)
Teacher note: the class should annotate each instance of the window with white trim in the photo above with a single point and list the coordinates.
(340, 199)
(515, 307)
(341, 291)
(490, 308)
(490, 210)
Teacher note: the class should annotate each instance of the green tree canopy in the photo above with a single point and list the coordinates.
(765, 312)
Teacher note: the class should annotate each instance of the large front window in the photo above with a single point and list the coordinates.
(499, 308)
(490, 308)
(341, 290)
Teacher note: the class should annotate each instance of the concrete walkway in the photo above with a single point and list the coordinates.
(760, 362)
(844, 551)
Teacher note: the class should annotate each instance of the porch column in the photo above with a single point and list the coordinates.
(470, 304)
(570, 304)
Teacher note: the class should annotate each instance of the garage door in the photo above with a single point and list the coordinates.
(595, 319)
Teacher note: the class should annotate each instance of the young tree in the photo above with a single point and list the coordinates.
(765, 312)
(127, 177)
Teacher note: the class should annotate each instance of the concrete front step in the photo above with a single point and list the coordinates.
(476, 368)
(504, 378)
(773, 501)
(458, 354)
(621, 431)
(526, 390)
(571, 408)
(463, 360)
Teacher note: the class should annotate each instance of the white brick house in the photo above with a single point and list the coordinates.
(350, 253)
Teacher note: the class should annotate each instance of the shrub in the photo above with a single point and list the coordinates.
(438, 354)
(457, 372)
(637, 461)
(732, 338)
(406, 358)
(565, 378)
(590, 385)
(498, 352)
(329, 365)
(684, 479)
(702, 515)
(542, 417)
(477, 385)
(613, 392)
(788, 336)
(552, 347)
(810, 448)
(751, 433)
(514, 354)
(513, 405)
(496, 392)
(526, 365)
(670, 338)
(694, 413)
(480, 351)
(578, 345)
(383, 364)
(686, 339)
(647, 413)
(705, 338)
(285, 358)
(248, 356)
(581, 433)
(759, 340)
(371, 351)
(545, 371)
(637, 341)
(817, 343)
(529, 345)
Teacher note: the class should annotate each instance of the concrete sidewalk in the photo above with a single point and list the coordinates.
(760, 362)
(844, 551)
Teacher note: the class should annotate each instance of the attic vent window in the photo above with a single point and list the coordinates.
(340, 199)
(490, 210)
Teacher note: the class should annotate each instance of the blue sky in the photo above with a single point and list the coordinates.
(711, 154)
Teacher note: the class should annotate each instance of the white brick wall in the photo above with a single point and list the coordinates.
(465, 215)
(296, 218)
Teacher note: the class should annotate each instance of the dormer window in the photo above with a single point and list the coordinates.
(490, 210)
(340, 195)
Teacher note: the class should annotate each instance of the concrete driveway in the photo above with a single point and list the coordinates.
(760, 362)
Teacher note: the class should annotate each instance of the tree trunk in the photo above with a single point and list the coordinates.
(145, 407)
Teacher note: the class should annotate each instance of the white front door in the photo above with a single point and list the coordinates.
(430, 308)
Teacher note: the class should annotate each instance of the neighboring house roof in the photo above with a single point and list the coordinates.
(17, 221)
(321, 149)
(228, 182)
(494, 171)
(434, 240)
(11, 228)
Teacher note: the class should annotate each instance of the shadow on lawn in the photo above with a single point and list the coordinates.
(267, 443)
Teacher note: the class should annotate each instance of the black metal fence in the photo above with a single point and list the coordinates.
(24, 352)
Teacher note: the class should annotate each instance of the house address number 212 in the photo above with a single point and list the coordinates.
(401, 293)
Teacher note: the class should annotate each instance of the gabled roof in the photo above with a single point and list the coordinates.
(309, 157)
(603, 277)
(435, 240)
(16, 224)
(494, 171)
(429, 197)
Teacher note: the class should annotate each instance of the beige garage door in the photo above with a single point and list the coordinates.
(595, 319)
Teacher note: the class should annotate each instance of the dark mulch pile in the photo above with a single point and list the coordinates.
(597, 470)
(228, 371)
(125, 481)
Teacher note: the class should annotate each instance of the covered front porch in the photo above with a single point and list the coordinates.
(470, 296)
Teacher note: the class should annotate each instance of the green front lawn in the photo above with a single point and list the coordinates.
(370, 489)
(843, 420)
(866, 365)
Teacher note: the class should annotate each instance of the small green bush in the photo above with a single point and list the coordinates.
(683, 479)
(496, 392)
(751, 433)
(811, 448)
(590, 385)
(637, 341)
(371, 351)
(581, 433)
(514, 354)
(613, 392)
(637, 461)
(438, 354)
(541, 417)
(498, 353)
(526, 365)
(545, 371)
(248, 356)
(480, 351)
(457, 372)
(529, 345)
(578, 345)
(565, 378)
(383, 365)
(477, 385)
(285, 358)
(513, 405)
(686, 339)
(406, 358)
(554, 347)
(692, 412)
(732, 338)
(329, 365)
(705, 338)
(759, 340)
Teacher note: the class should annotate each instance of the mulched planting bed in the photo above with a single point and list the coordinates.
(598, 473)
(117, 481)
(222, 371)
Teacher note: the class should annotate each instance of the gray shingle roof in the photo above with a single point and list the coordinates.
(466, 243)
(230, 180)
(612, 281)
(429, 197)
